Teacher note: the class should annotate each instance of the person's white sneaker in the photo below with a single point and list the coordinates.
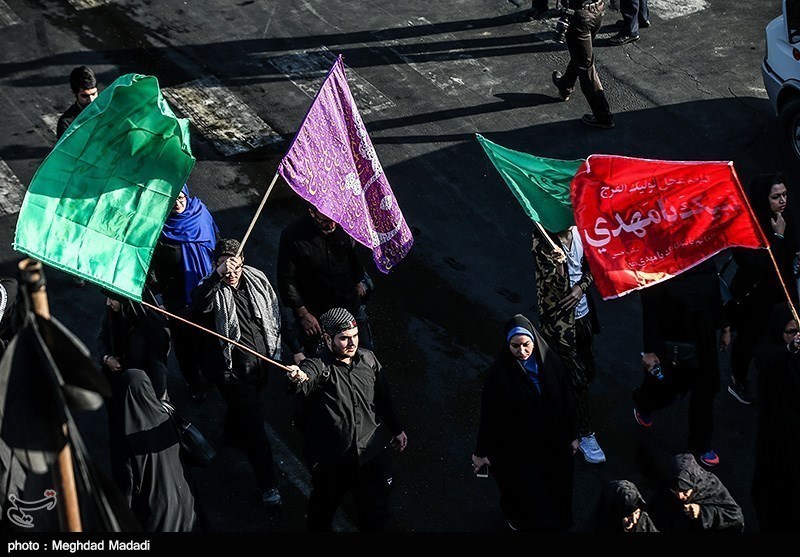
(591, 450)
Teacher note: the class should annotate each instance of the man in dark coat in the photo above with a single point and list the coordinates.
(694, 499)
(680, 321)
(528, 431)
(318, 269)
(83, 83)
(776, 478)
(347, 403)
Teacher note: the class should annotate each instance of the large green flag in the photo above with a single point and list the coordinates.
(541, 185)
(98, 202)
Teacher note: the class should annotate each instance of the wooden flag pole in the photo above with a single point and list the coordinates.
(546, 235)
(783, 285)
(31, 274)
(258, 213)
(219, 336)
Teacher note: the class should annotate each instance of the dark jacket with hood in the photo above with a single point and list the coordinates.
(526, 435)
(718, 510)
(620, 498)
(776, 478)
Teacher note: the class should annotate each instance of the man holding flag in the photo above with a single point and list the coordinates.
(655, 225)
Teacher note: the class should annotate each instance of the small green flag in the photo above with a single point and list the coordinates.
(98, 202)
(540, 185)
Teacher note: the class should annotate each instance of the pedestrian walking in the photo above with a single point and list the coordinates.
(528, 432)
(680, 318)
(349, 421)
(585, 18)
(567, 320)
(182, 257)
(238, 302)
(635, 14)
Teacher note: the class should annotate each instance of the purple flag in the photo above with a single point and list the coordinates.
(333, 165)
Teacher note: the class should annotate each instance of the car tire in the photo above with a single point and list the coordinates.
(789, 124)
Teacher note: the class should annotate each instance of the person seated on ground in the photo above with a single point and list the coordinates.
(694, 499)
(621, 508)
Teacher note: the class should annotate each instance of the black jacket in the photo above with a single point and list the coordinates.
(345, 407)
(776, 477)
(316, 270)
(66, 119)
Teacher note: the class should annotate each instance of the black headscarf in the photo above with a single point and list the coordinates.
(152, 474)
(758, 194)
(618, 499)
(718, 510)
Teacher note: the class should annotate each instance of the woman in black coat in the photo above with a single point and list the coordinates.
(149, 470)
(776, 478)
(756, 287)
(528, 431)
(694, 499)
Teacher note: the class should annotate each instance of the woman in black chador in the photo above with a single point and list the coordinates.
(776, 479)
(621, 508)
(149, 470)
(756, 286)
(692, 498)
(528, 431)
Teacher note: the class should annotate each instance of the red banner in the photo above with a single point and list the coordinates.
(644, 221)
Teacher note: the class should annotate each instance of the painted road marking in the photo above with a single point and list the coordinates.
(670, 9)
(88, 4)
(7, 17)
(307, 68)
(450, 70)
(11, 190)
(224, 119)
(299, 476)
(51, 122)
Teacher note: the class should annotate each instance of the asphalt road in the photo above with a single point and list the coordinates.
(428, 76)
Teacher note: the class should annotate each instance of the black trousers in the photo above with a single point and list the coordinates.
(244, 425)
(748, 332)
(580, 35)
(369, 483)
(187, 342)
(654, 394)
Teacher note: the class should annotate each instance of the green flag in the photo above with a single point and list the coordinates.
(540, 185)
(98, 202)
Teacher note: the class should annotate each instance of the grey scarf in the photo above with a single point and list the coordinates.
(266, 308)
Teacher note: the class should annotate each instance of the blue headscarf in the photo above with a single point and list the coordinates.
(196, 232)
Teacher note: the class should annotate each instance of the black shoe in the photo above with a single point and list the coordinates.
(645, 24)
(590, 120)
(563, 94)
(739, 392)
(622, 39)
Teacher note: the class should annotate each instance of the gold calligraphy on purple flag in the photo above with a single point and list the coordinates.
(333, 165)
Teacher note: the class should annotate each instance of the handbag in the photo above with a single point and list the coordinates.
(196, 449)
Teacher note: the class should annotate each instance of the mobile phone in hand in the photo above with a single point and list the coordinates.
(483, 471)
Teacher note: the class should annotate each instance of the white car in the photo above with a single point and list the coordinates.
(781, 72)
